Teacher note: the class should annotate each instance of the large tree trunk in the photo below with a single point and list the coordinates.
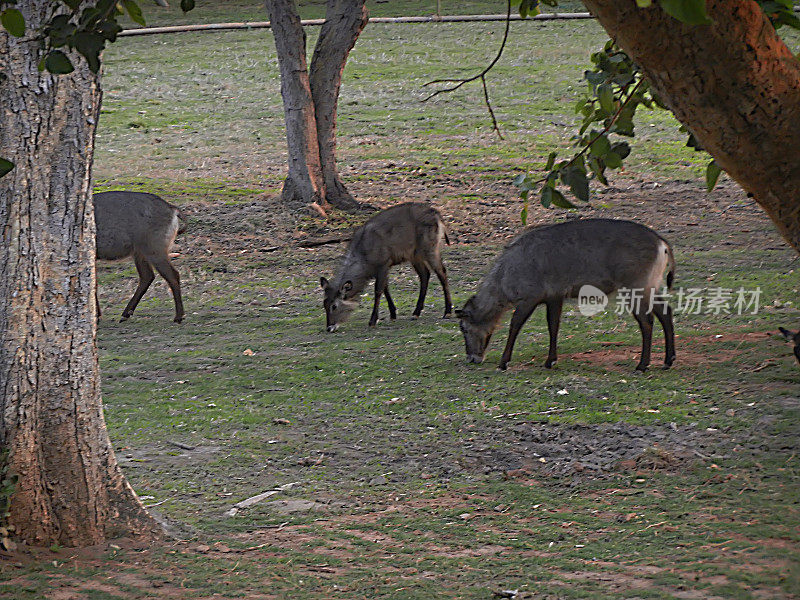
(70, 489)
(310, 102)
(304, 183)
(344, 22)
(734, 83)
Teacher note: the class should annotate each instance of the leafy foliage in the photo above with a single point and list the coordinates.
(691, 12)
(616, 89)
(5, 166)
(13, 22)
(780, 13)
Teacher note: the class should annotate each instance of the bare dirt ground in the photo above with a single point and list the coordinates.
(675, 209)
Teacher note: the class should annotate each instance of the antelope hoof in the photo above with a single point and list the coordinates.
(177, 320)
(641, 367)
(503, 366)
(124, 318)
(668, 361)
(447, 314)
(548, 364)
(415, 315)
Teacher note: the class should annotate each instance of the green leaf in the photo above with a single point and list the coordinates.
(547, 196)
(624, 122)
(523, 216)
(612, 160)
(598, 168)
(528, 7)
(58, 63)
(525, 183)
(578, 183)
(643, 3)
(59, 30)
(788, 18)
(134, 12)
(606, 96)
(187, 5)
(693, 142)
(560, 201)
(691, 12)
(109, 30)
(601, 146)
(550, 161)
(712, 174)
(5, 168)
(13, 22)
(621, 149)
(90, 45)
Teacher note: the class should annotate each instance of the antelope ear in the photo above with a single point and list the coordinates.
(787, 334)
(323, 283)
(347, 286)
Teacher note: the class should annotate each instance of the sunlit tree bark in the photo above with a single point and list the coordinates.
(70, 489)
(733, 83)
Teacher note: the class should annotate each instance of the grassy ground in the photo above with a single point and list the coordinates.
(417, 475)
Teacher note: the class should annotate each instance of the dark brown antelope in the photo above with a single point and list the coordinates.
(547, 264)
(143, 226)
(795, 338)
(411, 232)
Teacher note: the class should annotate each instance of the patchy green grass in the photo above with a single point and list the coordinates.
(419, 475)
(180, 103)
(411, 478)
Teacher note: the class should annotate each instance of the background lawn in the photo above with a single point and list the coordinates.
(418, 475)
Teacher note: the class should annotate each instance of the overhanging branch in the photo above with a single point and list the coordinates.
(481, 75)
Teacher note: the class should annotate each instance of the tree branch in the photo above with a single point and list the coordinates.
(601, 133)
(481, 75)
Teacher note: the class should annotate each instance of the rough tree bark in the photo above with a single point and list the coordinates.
(734, 83)
(310, 101)
(70, 488)
(344, 22)
(304, 182)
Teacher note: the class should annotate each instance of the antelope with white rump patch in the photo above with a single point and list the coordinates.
(547, 264)
(144, 226)
(412, 232)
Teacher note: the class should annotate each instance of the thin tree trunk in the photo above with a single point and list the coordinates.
(304, 183)
(70, 488)
(344, 22)
(734, 83)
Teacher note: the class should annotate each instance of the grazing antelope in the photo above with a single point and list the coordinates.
(547, 264)
(411, 232)
(143, 226)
